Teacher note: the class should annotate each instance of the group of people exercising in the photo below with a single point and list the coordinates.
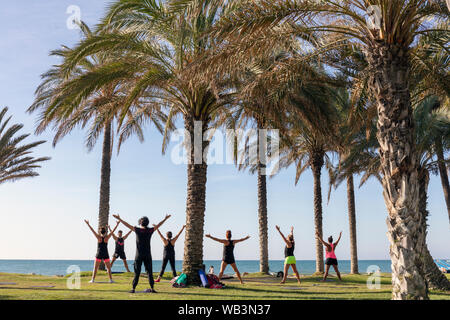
(144, 256)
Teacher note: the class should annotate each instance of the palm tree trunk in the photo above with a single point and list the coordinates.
(434, 277)
(195, 202)
(399, 165)
(352, 225)
(103, 212)
(443, 173)
(262, 207)
(262, 220)
(316, 167)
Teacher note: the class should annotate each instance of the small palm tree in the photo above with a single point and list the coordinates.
(16, 161)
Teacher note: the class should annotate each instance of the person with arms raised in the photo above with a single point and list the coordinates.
(143, 249)
(102, 250)
(228, 253)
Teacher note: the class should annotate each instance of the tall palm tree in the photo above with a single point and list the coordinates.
(306, 147)
(161, 39)
(386, 41)
(300, 106)
(309, 151)
(350, 134)
(16, 161)
(86, 97)
(430, 65)
(252, 111)
(432, 121)
(251, 115)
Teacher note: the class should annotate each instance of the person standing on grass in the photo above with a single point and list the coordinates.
(143, 249)
(228, 253)
(331, 259)
(102, 250)
(169, 252)
(289, 255)
(119, 252)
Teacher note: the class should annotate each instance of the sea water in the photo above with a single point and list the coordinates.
(60, 267)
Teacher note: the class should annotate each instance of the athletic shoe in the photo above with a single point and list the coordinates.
(131, 291)
(111, 281)
(92, 281)
(157, 280)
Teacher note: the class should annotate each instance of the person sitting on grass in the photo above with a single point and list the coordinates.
(119, 252)
(143, 250)
(289, 255)
(330, 255)
(102, 250)
(169, 252)
(228, 253)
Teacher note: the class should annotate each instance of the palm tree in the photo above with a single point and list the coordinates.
(246, 115)
(387, 43)
(432, 121)
(86, 97)
(16, 161)
(300, 107)
(430, 77)
(157, 41)
(307, 147)
(252, 112)
(443, 171)
(350, 134)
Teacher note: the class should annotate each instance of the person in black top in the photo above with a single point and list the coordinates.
(102, 250)
(289, 255)
(228, 253)
(119, 252)
(169, 252)
(143, 250)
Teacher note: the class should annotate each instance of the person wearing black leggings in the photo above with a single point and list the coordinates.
(169, 252)
(143, 250)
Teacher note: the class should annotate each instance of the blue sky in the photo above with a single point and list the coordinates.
(42, 218)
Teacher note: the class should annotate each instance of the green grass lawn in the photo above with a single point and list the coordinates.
(256, 287)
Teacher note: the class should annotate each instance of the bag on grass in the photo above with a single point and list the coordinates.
(214, 282)
(203, 278)
(182, 279)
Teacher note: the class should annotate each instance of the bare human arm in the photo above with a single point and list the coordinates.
(339, 239)
(126, 236)
(161, 223)
(179, 233)
(126, 224)
(240, 240)
(112, 233)
(92, 229)
(288, 244)
(216, 239)
(321, 240)
(162, 237)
